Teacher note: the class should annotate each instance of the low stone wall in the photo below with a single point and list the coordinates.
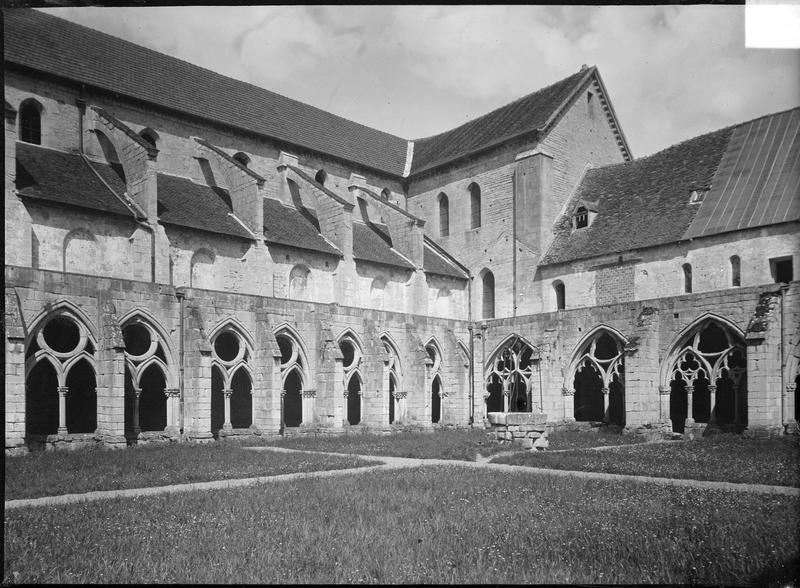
(526, 429)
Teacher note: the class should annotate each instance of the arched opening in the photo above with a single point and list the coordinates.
(444, 215)
(709, 366)
(560, 294)
(488, 295)
(687, 278)
(797, 395)
(30, 122)
(386, 194)
(321, 176)
(392, 400)
(475, 205)
(150, 136)
(152, 400)
(293, 400)
(354, 400)
(436, 400)
(241, 400)
(599, 380)
(131, 432)
(41, 400)
(241, 158)
(81, 400)
(494, 397)
(298, 281)
(511, 373)
(217, 401)
(202, 275)
(736, 271)
(80, 252)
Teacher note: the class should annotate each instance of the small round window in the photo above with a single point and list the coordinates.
(137, 339)
(62, 335)
(227, 346)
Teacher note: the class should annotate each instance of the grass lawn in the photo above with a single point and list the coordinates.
(423, 525)
(463, 444)
(728, 458)
(51, 473)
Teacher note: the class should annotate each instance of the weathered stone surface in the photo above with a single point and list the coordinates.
(526, 418)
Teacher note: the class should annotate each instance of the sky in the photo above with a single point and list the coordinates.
(671, 72)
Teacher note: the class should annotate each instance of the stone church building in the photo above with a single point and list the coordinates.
(188, 256)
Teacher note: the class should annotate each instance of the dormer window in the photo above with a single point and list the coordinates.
(697, 196)
(581, 218)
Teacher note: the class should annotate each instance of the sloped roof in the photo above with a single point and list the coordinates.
(183, 203)
(758, 180)
(55, 46)
(751, 172)
(434, 263)
(66, 178)
(372, 243)
(286, 225)
(527, 114)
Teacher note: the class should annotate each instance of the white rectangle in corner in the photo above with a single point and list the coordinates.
(772, 25)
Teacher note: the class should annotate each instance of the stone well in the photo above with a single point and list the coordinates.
(528, 429)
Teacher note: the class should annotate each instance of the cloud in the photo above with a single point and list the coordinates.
(672, 72)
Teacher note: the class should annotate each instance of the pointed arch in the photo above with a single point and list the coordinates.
(63, 307)
(31, 113)
(585, 341)
(234, 324)
(505, 342)
(387, 338)
(145, 316)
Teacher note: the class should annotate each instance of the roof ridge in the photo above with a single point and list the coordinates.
(195, 65)
(506, 105)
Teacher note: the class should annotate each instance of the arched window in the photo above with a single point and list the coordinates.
(736, 271)
(444, 215)
(687, 278)
(321, 176)
(202, 275)
(298, 281)
(434, 365)
(475, 205)
(395, 373)
(242, 158)
(598, 377)
(30, 122)
(559, 292)
(581, 217)
(297, 405)
(80, 252)
(230, 380)
(488, 295)
(351, 360)
(60, 362)
(386, 194)
(708, 378)
(150, 136)
(510, 378)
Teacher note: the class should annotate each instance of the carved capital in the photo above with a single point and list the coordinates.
(689, 388)
(400, 395)
(567, 392)
(228, 392)
(283, 393)
(790, 388)
(604, 390)
(712, 388)
(309, 393)
(62, 390)
(137, 392)
(664, 390)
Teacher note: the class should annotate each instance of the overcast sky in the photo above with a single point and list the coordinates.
(672, 72)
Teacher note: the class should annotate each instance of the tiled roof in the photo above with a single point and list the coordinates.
(182, 202)
(66, 178)
(286, 225)
(52, 45)
(749, 174)
(758, 180)
(372, 243)
(434, 263)
(527, 114)
(639, 203)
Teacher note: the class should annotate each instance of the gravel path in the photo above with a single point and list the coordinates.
(390, 463)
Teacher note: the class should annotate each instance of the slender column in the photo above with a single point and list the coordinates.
(789, 406)
(283, 421)
(308, 406)
(227, 392)
(173, 400)
(136, 393)
(664, 408)
(604, 390)
(712, 400)
(62, 409)
(401, 407)
(506, 394)
(689, 401)
(442, 405)
(568, 395)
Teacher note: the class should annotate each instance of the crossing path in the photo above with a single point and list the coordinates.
(389, 463)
